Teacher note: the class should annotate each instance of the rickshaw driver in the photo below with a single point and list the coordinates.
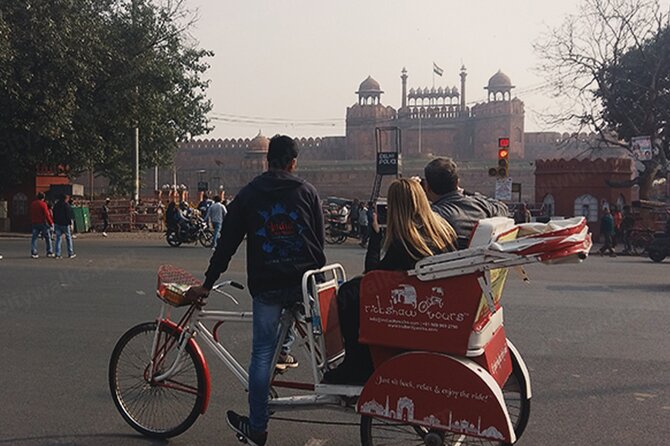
(461, 209)
(281, 217)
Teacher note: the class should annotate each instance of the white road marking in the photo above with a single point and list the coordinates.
(315, 442)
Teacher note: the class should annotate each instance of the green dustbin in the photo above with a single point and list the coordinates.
(82, 219)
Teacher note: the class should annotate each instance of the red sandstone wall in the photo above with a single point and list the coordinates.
(567, 180)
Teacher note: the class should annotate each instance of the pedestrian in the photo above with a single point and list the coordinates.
(215, 214)
(105, 217)
(72, 204)
(627, 224)
(607, 231)
(461, 209)
(353, 216)
(363, 223)
(41, 220)
(63, 217)
(617, 216)
(522, 214)
(281, 217)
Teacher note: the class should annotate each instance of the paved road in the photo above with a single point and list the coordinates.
(595, 337)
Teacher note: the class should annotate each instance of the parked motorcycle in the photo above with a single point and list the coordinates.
(196, 231)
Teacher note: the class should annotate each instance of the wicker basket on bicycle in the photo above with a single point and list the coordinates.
(172, 285)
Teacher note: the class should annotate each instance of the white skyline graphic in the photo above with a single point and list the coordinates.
(404, 411)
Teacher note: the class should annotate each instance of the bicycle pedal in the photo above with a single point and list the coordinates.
(241, 438)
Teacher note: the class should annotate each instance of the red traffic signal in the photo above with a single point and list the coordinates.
(503, 163)
(503, 142)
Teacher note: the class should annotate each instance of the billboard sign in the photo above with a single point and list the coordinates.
(641, 147)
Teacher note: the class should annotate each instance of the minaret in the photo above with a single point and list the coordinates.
(403, 76)
(463, 76)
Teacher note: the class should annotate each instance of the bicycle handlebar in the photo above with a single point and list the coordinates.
(232, 283)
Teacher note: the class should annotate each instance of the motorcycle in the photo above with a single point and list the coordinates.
(336, 231)
(196, 231)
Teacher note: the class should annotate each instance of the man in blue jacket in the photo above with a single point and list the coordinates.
(280, 214)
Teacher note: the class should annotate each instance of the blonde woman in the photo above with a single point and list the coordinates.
(413, 232)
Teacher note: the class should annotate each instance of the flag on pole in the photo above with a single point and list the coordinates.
(437, 70)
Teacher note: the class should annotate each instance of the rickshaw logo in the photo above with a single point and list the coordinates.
(405, 294)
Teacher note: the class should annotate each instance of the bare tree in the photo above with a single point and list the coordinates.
(608, 67)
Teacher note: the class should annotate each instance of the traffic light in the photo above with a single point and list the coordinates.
(503, 163)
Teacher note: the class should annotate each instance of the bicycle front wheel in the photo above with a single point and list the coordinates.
(156, 409)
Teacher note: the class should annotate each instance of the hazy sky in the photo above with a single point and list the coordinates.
(292, 66)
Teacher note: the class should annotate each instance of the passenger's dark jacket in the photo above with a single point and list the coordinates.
(463, 210)
(280, 214)
(62, 213)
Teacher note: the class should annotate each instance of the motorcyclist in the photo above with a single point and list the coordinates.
(183, 217)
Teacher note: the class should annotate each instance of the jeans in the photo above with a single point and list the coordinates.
(267, 310)
(42, 230)
(216, 229)
(60, 231)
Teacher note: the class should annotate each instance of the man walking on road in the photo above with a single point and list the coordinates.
(105, 217)
(461, 209)
(280, 214)
(215, 214)
(607, 230)
(63, 217)
(41, 220)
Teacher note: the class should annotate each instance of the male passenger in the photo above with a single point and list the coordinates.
(280, 214)
(461, 209)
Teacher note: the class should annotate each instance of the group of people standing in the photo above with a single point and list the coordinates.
(281, 218)
(616, 226)
(47, 221)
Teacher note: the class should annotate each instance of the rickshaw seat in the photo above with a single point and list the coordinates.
(330, 319)
(397, 314)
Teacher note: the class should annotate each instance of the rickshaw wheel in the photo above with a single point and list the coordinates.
(380, 432)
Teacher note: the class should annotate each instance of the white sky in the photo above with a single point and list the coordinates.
(302, 60)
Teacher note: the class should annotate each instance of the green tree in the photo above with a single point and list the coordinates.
(77, 76)
(608, 67)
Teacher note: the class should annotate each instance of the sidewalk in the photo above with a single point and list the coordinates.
(93, 235)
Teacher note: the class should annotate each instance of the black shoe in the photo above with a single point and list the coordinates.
(345, 374)
(241, 425)
(286, 362)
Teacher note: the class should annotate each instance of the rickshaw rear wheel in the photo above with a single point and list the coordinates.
(380, 432)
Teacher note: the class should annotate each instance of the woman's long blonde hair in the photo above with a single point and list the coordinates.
(413, 224)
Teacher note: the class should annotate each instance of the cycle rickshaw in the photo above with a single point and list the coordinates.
(445, 372)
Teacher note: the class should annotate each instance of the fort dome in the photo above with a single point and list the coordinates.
(260, 143)
(499, 81)
(369, 85)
